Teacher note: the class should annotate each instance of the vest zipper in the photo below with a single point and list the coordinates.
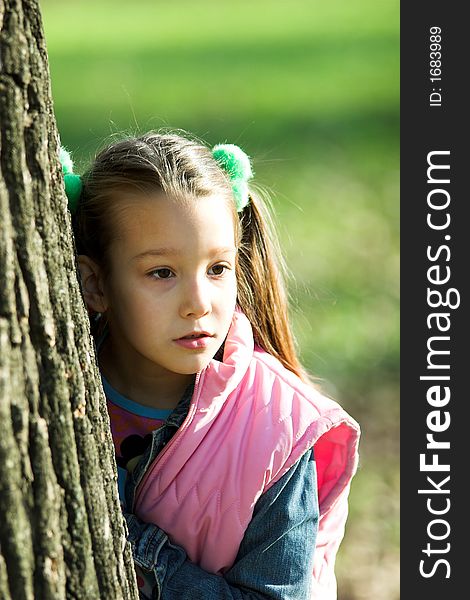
(179, 432)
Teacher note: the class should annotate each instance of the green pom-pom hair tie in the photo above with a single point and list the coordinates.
(237, 165)
(231, 158)
(72, 181)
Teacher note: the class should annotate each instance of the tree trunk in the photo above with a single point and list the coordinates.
(61, 527)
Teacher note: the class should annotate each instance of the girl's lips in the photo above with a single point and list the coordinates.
(194, 343)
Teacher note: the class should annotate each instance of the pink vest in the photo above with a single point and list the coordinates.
(249, 421)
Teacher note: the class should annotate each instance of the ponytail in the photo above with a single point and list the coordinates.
(261, 275)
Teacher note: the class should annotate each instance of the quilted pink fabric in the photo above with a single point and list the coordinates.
(249, 421)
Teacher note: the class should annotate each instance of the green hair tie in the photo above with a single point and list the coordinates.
(72, 181)
(237, 165)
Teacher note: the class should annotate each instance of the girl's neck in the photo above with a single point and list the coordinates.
(160, 390)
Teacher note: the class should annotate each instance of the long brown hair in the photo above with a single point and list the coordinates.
(183, 167)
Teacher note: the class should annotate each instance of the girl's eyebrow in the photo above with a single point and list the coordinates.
(175, 252)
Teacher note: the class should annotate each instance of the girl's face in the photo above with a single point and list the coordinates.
(172, 274)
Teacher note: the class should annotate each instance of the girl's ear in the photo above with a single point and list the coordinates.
(92, 285)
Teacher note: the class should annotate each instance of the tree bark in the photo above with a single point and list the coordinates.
(61, 529)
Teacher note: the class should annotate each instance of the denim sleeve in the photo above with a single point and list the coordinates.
(275, 558)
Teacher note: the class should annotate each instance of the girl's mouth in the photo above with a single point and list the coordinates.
(194, 341)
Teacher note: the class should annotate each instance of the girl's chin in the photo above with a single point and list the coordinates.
(193, 365)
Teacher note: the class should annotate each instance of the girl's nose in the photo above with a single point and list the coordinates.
(196, 301)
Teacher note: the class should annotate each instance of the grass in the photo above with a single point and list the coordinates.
(310, 90)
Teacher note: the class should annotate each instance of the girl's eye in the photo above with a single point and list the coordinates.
(162, 274)
(218, 270)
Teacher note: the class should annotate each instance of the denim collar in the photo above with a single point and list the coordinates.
(180, 411)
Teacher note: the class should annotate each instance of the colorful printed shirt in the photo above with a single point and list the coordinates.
(131, 426)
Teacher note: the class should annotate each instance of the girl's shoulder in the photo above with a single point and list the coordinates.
(290, 385)
(311, 419)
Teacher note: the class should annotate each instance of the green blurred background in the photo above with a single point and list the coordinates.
(311, 91)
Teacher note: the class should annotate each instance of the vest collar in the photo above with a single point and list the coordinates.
(219, 378)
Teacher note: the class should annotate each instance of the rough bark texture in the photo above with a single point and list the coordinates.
(61, 528)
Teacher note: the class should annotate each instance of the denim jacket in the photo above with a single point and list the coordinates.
(275, 558)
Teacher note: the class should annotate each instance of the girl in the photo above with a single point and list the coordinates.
(234, 470)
